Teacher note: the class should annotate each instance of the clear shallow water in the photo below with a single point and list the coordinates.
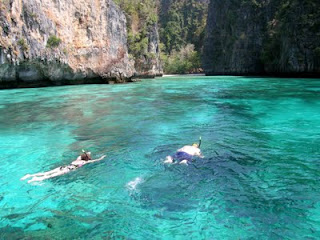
(258, 180)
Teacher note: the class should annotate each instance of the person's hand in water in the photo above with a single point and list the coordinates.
(168, 160)
(99, 159)
(184, 162)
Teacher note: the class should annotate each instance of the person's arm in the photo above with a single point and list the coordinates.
(96, 160)
(199, 154)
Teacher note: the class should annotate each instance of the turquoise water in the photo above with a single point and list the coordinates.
(258, 180)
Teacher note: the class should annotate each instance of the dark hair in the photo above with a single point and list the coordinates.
(85, 156)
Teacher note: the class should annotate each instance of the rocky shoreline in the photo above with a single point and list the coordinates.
(269, 74)
(46, 43)
(53, 43)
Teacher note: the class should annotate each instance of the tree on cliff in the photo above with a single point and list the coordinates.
(142, 18)
(182, 25)
(182, 22)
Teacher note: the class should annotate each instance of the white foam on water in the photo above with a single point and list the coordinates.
(132, 185)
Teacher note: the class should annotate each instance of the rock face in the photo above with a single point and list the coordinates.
(143, 36)
(182, 22)
(263, 37)
(149, 64)
(54, 42)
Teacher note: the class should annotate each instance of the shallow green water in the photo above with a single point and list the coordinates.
(258, 180)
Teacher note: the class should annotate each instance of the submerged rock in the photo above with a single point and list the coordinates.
(45, 42)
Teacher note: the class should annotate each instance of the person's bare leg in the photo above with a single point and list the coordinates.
(41, 174)
(41, 178)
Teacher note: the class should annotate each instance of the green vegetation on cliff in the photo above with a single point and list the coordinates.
(182, 29)
(296, 22)
(142, 18)
(182, 25)
(22, 43)
(263, 37)
(243, 37)
(183, 22)
(53, 41)
(186, 60)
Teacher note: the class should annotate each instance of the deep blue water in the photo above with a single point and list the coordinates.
(258, 180)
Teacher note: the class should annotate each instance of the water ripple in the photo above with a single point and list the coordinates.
(258, 179)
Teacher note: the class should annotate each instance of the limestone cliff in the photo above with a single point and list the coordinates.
(143, 36)
(263, 37)
(148, 64)
(54, 42)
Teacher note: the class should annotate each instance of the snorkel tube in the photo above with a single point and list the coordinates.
(199, 141)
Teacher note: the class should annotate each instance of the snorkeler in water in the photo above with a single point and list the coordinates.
(83, 159)
(185, 154)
